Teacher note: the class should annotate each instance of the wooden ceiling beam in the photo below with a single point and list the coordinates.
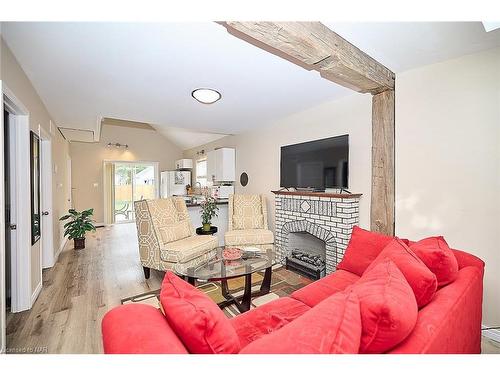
(314, 46)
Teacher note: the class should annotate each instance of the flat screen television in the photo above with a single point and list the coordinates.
(316, 165)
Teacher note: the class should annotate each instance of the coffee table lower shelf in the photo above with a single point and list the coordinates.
(244, 301)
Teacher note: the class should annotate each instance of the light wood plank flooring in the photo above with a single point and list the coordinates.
(81, 288)
(78, 291)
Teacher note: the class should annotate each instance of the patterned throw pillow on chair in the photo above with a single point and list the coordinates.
(175, 232)
(247, 212)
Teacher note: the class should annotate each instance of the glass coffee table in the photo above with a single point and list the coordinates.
(216, 268)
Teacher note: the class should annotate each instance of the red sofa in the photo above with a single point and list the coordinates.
(450, 323)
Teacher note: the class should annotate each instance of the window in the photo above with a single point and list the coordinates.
(201, 172)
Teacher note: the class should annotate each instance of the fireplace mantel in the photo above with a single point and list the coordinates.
(316, 194)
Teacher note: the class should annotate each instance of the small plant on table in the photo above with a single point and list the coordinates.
(208, 211)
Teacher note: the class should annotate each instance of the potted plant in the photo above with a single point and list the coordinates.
(208, 211)
(80, 223)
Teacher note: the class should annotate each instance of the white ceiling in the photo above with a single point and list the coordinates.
(146, 71)
(78, 135)
(402, 46)
(187, 138)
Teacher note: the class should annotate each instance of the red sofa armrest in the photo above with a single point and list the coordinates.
(465, 260)
(451, 323)
(138, 329)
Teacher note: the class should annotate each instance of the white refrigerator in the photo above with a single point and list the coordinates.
(174, 183)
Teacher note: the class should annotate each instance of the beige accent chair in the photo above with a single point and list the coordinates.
(166, 235)
(247, 224)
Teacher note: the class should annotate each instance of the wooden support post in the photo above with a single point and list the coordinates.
(383, 194)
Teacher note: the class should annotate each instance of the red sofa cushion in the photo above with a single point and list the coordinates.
(196, 319)
(323, 288)
(388, 307)
(422, 281)
(438, 257)
(138, 329)
(364, 246)
(333, 326)
(268, 318)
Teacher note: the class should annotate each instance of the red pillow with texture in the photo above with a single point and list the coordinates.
(364, 246)
(196, 319)
(332, 326)
(438, 257)
(388, 308)
(422, 281)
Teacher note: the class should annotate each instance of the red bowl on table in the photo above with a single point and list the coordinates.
(231, 253)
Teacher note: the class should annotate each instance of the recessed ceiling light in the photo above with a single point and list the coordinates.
(206, 96)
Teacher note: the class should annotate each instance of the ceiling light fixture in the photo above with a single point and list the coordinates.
(206, 96)
(117, 145)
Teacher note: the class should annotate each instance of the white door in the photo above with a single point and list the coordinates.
(48, 251)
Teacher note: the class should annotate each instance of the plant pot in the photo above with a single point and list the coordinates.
(206, 227)
(79, 243)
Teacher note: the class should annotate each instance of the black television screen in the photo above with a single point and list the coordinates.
(317, 164)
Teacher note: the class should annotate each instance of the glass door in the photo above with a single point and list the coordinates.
(144, 186)
(124, 202)
(132, 182)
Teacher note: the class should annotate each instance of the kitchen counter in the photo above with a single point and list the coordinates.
(197, 204)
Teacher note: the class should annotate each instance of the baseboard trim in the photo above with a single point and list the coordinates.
(492, 334)
(61, 248)
(35, 294)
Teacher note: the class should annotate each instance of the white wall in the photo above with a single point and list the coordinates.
(447, 156)
(87, 161)
(447, 160)
(258, 152)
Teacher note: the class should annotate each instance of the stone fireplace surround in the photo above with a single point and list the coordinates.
(327, 216)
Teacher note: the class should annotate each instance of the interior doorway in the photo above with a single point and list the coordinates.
(9, 210)
(125, 183)
(16, 218)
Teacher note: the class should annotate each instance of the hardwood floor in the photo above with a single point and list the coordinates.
(78, 291)
(81, 288)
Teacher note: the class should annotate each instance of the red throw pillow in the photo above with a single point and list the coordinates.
(332, 326)
(363, 248)
(422, 281)
(388, 308)
(438, 257)
(196, 319)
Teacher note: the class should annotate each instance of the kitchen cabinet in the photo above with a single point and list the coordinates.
(221, 165)
(184, 164)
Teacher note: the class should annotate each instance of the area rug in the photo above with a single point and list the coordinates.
(283, 283)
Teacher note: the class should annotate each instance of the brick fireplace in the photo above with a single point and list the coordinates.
(313, 229)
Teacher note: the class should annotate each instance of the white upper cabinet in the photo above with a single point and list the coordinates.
(221, 166)
(184, 164)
